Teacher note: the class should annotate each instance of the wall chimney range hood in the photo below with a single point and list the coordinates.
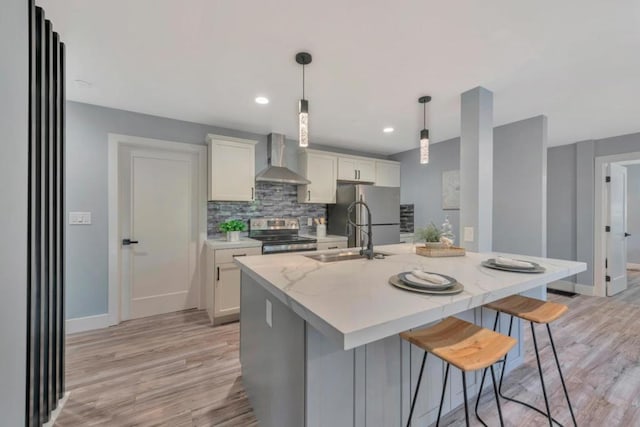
(276, 171)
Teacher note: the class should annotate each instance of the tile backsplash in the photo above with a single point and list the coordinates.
(406, 218)
(272, 200)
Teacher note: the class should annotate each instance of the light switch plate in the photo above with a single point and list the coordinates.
(309, 222)
(79, 218)
(468, 234)
(269, 313)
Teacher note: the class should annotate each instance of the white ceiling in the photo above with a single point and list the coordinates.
(577, 61)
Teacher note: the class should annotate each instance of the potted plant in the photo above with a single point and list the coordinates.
(430, 236)
(233, 227)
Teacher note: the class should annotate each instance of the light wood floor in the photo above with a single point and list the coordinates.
(170, 370)
(175, 370)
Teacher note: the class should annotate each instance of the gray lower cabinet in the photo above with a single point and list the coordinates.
(295, 376)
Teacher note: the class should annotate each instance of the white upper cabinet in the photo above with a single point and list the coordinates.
(322, 170)
(232, 166)
(387, 173)
(356, 169)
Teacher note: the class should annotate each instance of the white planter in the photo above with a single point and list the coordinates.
(233, 236)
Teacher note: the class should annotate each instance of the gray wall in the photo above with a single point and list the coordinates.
(519, 199)
(574, 180)
(561, 202)
(422, 184)
(633, 213)
(14, 88)
(87, 246)
(520, 188)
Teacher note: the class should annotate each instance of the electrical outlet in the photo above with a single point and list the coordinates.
(468, 234)
(309, 222)
(269, 312)
(79, 218)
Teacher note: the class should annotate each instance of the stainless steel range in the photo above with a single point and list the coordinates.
(280, 235)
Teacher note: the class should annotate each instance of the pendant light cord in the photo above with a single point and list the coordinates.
(303, 81)
(424, 115)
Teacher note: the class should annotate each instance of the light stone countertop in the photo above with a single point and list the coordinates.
(353, 303)
(327, 238)
(244, 242)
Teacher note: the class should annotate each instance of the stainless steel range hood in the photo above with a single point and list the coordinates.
(276, 170)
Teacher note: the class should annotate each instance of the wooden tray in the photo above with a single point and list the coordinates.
(440, 252)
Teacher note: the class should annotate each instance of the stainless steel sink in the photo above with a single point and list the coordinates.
(345, 256)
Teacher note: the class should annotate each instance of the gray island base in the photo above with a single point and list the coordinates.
(319, 343)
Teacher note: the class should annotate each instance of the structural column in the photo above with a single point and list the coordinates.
(476, 170)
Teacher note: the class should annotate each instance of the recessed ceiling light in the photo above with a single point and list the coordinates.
(388, 130)
(262, 100)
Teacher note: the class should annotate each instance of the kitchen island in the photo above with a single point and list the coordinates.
(319, 342)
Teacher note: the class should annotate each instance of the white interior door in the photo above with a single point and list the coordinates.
(160, 213)
(616, 237)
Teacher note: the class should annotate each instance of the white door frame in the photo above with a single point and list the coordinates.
(600, 199)
(115, 142)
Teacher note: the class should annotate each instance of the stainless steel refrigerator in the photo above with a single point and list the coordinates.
(384, 203)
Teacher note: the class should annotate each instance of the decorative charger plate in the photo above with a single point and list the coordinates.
(451, 290)
(537, 268)
(426, 285)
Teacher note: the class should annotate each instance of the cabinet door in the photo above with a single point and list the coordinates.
(347, 169)
(231, 170)
(387, 174)
(321, 171)
(366, 170)
(227, 289)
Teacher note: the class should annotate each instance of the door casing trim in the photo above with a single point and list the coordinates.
(115, 142)
(599, 242)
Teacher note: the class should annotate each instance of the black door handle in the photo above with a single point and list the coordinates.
(627, 234)
(127, 242)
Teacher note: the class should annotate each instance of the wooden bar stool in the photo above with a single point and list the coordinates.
(534, 311)
(464, 345)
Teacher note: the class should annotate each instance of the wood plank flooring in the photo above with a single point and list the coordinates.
(176, 370)
(168, 370)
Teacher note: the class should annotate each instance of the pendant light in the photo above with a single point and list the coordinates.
(303, 58)
(424, 133)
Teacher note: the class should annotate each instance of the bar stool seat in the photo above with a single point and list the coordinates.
(464, 345)
(530, 309)
(539, 312)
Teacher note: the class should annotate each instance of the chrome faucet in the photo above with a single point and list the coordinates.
(369, 251)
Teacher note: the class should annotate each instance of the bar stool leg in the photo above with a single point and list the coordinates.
(564, 387)
(511, 399)
(544, 390)
(415, 396)
(464, 391)
(495, 392)
(484, 374)
(444, 388)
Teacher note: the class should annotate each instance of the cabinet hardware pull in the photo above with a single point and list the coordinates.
(355, 173)
(309, 195)
(252, 196)
(332, 247)
(237, 255)
(127, 242)
(218, 275)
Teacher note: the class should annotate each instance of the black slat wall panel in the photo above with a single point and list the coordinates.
(45, 311)
(61, 219)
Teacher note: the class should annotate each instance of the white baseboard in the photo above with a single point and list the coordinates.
(54, 414)
(89, 323)
(633, 266)
(584, 289)
(562, 285)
